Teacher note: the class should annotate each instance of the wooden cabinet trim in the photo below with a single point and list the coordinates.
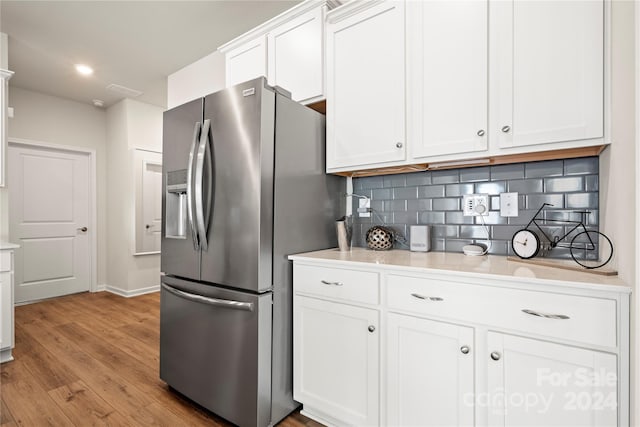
(568, 153)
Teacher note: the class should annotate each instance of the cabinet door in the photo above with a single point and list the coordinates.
(447, 76)
(246, 62)
(296, 56)
(533, 382)
(430, 373)
(336, 364)
(549, 77)
(366, 88)
(6, 311)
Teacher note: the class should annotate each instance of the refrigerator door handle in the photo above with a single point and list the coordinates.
(203, 147)
(210, 189)
(217, 302)
(190, 195)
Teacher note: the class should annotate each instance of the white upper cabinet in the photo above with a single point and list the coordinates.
(246, 61)
(365, 85)
(447, 48)
(296, 56)
(484, 78)
(287, 49)
(548, 71)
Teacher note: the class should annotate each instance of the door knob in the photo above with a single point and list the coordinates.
(465, 349)
(371, 328)
(399, 144)
(505, 129)
(480, 132)
(83, 229)
(148, 226)
(496, 355)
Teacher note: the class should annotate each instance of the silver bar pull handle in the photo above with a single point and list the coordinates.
(332, 283)
(210, 187)
(217, 302)
(425, 297)
(198, 185)
(190, 174)
(545, 315)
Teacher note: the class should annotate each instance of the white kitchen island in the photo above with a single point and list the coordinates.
(405, 338)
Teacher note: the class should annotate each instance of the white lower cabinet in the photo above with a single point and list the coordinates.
(378, 345)
(6, 304)
(538, 383)
(336, 363)
(430, 372)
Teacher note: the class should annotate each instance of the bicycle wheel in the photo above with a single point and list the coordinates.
(591, 249)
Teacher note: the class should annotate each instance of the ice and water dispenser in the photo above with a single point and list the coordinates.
(176, 202)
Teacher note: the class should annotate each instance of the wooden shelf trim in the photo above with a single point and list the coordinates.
(568, 153)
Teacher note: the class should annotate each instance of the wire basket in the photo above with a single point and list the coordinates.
(380, 238)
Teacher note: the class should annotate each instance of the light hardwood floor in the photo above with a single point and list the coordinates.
(92, 359)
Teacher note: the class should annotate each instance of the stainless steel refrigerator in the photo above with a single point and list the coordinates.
(243, 187)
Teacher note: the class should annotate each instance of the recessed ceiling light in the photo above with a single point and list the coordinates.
(85, 70)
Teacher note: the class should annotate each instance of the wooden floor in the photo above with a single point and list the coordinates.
(92, 359)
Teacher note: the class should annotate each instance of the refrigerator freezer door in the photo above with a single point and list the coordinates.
(215, 348)
(239, 253)
(179, 255)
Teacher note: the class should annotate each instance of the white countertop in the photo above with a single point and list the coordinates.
(7, 245)
(462, 265)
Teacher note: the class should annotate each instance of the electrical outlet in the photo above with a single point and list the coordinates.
(475, 204)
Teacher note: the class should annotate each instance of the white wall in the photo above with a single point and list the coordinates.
(205, 76)
(617, 163)
(53, 120)
(130, 124)
(4, 51)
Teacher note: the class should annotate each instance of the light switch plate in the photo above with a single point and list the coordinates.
(508, 204)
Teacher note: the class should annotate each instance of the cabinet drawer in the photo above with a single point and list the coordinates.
(337, 283)
(5, 261)
(566, 317)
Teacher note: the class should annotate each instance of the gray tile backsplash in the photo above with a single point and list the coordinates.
(435, 198)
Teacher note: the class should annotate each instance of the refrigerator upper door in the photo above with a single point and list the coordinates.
(239, 252)
(180, 255)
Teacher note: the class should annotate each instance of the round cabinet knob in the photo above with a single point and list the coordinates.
(371, 328)
(399, 144)
(83, 229)
(495, 355)
(465, 349)
(506, 129)
(481, 132)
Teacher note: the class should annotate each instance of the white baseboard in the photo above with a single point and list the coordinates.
(5, 355)
(101, 288)
(134, 293)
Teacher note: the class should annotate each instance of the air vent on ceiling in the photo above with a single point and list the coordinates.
(123, 90)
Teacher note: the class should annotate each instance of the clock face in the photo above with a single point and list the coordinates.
(525, 244)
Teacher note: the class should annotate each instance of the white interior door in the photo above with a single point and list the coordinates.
(151, 205)
(49, 208)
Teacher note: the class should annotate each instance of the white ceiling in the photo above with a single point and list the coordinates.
(136, 44)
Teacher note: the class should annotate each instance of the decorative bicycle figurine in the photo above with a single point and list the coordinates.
(589, 248)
